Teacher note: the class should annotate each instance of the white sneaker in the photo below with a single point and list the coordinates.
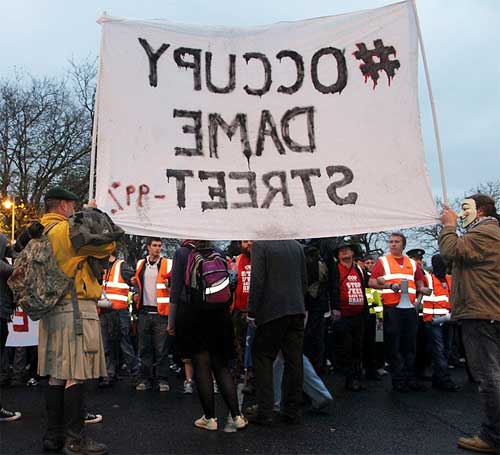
(142, 386)
(188, 387)
(163, 386)
(90, 417)
(8, 416)
(206, 424)
(233, 425)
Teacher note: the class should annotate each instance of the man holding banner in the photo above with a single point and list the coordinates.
(476, 304)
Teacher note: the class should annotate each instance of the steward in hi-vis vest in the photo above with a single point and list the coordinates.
(152, 305)
(162, 291)
(437, 308)
(437, 305)
(399, 278)
(423, 355)
(114, 316)
(114, 287)
(397, 269)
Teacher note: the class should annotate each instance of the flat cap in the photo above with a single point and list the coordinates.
(58, 192)
(418, 253)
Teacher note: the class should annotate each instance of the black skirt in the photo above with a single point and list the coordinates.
(198, 330)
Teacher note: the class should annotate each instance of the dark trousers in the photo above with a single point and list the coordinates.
(314, 339)
(285, 334)
(349, 344)
(153, 345)
(422, 355)
(115, 328)
(240, 331)
(25, 363)
(481, 340)
(4, 331)
(369, 344)
(438, 342)
(400, 337)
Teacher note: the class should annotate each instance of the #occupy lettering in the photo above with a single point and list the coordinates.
(279, 133)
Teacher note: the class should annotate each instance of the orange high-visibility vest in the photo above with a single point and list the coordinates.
(115, 287)
(393, 274)
(438, 303)
(162, 292)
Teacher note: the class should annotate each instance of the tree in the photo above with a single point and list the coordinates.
(427, 236)
(45, 136)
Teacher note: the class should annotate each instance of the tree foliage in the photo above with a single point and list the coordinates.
(45, 137)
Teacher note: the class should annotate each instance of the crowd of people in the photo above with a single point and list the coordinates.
(275, 316)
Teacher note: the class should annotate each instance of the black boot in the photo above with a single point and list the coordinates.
(53, 439)
(76, 441)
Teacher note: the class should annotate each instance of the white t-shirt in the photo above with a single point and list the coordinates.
(149, 284)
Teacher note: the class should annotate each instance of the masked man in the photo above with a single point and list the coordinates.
(476, 304)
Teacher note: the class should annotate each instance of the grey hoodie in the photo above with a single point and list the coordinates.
(6, 301)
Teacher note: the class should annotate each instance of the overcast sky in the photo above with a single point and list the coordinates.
(460, 36)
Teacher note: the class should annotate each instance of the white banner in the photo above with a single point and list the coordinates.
(294, 130)
(22, 331)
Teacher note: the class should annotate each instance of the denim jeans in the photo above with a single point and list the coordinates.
(247, 363)
(240, 331)
(438, 344)
(115, 328)
(313, 386)
(400, 337)
(481, 340)
(153, 345)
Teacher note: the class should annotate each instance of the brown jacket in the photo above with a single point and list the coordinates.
(475, 292)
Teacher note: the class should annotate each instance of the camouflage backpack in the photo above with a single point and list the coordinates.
(37, 282)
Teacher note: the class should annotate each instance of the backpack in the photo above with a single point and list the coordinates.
(207, 279)
(37, 282)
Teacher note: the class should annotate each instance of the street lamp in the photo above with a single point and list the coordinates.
(11, 204)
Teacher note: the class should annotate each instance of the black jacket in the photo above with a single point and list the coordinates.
(279, 280)
(6, 300)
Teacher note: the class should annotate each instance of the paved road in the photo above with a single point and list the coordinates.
(376, 421)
